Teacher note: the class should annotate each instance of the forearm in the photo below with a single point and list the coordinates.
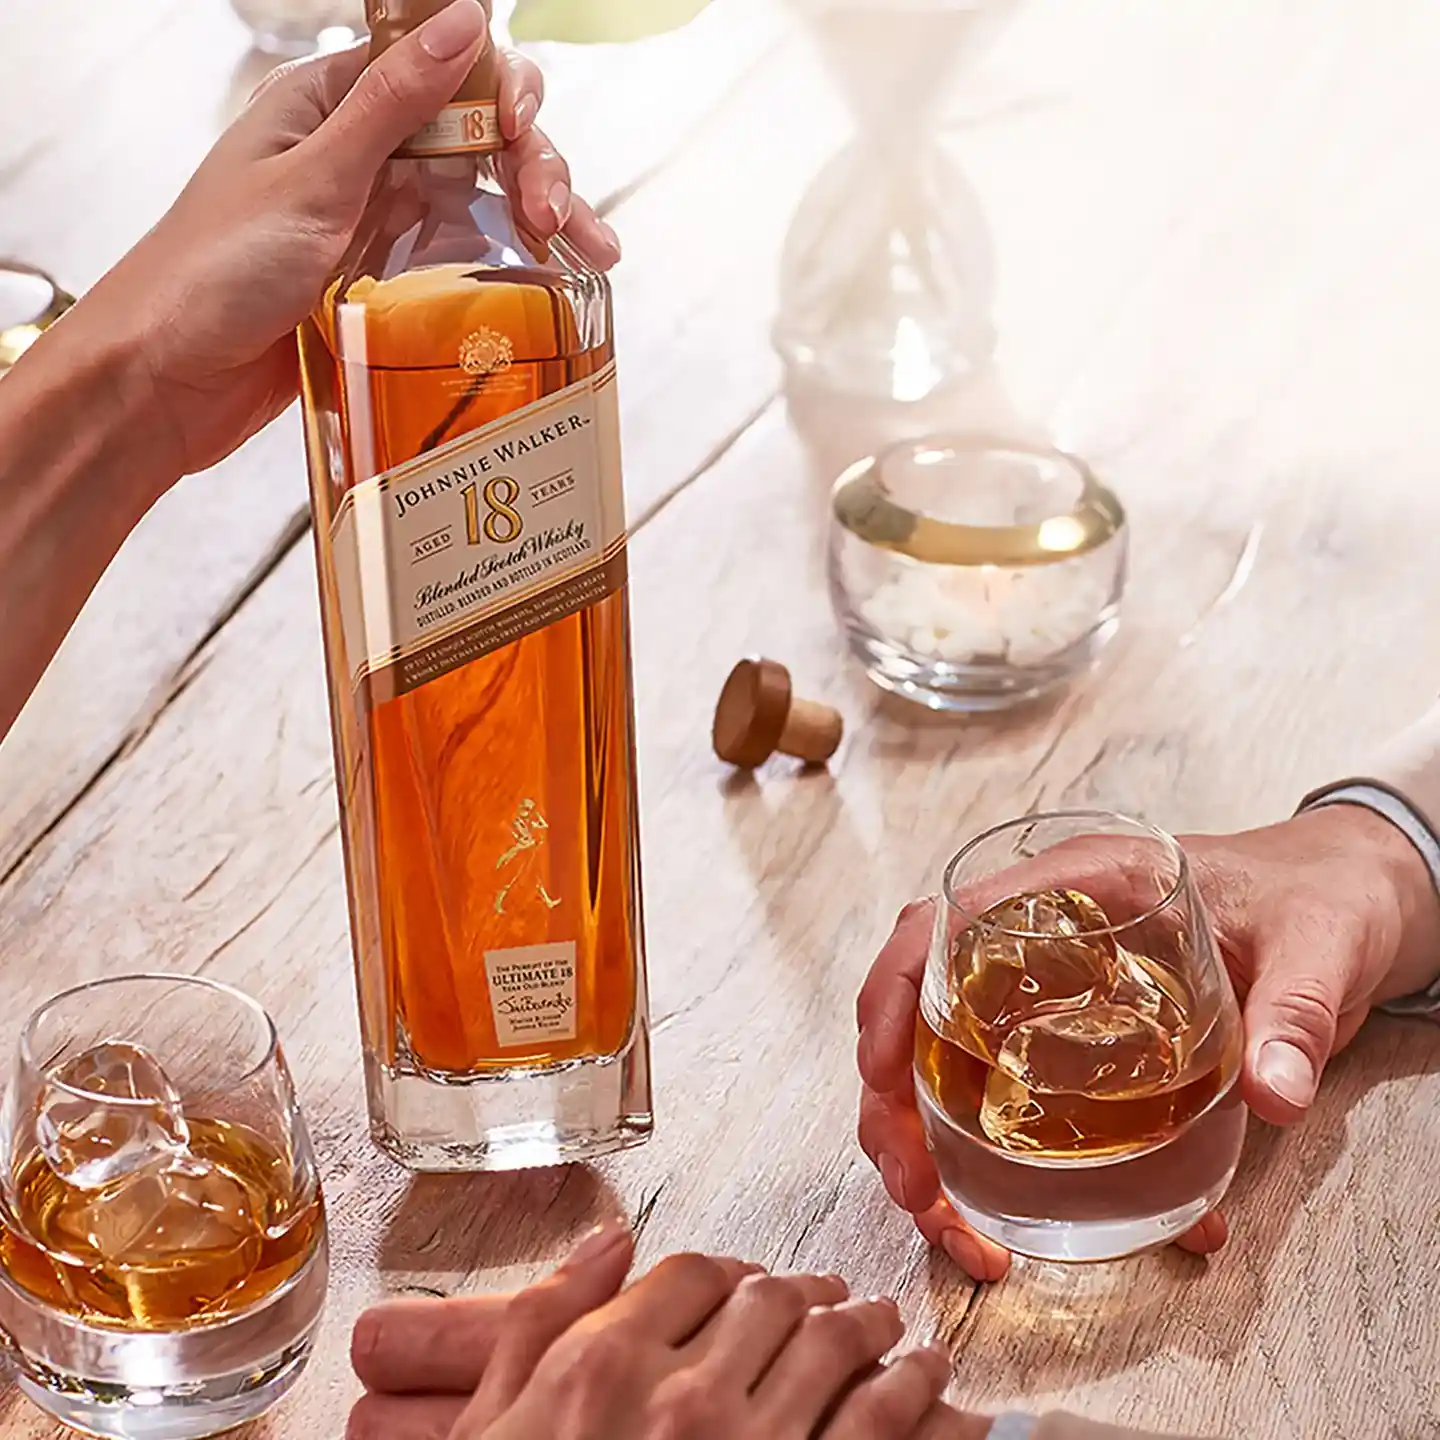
(82, 457)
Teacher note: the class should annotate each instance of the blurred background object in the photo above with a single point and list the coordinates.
(888, 273)
(590, 22)
(974, 573)
(30, 302)
(287, 28)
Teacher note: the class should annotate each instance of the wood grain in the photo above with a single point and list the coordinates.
(1216, 237)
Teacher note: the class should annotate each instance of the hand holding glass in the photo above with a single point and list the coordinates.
(1078, 1048)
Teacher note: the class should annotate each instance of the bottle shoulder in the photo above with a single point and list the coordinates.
(441, 260)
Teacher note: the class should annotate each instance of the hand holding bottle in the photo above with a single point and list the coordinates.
(212, 296)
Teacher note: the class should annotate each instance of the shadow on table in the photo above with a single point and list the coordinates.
(475, 1223)
(1063, 1326)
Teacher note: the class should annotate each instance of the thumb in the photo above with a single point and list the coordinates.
(1291, 1017)
(401, 91)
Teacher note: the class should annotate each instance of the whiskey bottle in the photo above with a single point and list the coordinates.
(463, 437)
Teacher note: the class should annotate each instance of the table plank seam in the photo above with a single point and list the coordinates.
(181, 678)
(726, 444)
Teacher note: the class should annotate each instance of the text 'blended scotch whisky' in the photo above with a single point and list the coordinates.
(463, 434)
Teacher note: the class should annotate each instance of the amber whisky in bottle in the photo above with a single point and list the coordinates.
(463, 437)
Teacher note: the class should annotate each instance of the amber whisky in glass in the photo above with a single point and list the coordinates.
(162, 1234)
(1077, 1055)
(463, 433)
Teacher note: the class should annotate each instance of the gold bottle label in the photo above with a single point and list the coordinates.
(462, 128)
(481, 542)
(532, 993)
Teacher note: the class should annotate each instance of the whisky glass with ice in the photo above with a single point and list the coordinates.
(162, 1235)
(1078, 1048)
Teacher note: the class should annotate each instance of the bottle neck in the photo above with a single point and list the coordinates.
(470, 124)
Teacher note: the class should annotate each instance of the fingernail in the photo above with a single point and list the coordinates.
(611, 238)
(454, 30)
(1286, 1069)
(560, 201)
(893, 1174)
(600, 1241)
(964, 1252)
(527, 107)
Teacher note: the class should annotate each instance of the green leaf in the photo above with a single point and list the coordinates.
(599, 22)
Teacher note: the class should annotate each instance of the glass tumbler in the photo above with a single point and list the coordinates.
(1077, 1053)
(971, 572)
(162, 1235)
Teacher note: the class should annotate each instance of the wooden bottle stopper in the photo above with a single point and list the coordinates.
(758, 715)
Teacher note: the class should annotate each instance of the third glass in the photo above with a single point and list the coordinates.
(1078, 1050)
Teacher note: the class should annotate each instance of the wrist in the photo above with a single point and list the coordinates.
(1405, 880)
(108, 352)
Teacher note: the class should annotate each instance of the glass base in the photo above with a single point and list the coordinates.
(155, 1385)
(514, 1120)
(1076, 1212)
(172, 1412)
(980, 687)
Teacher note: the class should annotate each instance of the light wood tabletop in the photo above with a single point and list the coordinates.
(1216, 226)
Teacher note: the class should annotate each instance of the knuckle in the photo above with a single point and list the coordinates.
(1305, 1008)
(772, 1295)
(689, 1270)
(382, 86)
(838, 1331)
(881, 1412)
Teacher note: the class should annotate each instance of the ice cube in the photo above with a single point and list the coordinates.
(181, 1208)
(1015, 1120)
(91, 1144)
(178, 1236)
(1153, 991)
(1007, 979)
(1104, 1052)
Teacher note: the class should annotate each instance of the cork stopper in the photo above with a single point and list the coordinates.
(758, 715)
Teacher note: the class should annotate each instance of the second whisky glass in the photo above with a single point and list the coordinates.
(162, 1236)
(1078, 1049)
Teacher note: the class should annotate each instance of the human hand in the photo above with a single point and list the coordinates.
(699, 1347)
(1318, 918)
(210, 299)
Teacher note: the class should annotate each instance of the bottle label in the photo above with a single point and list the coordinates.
(466, 127)
(532, 993)
(483, 541)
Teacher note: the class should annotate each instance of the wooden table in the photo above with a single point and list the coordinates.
(1218, 235)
